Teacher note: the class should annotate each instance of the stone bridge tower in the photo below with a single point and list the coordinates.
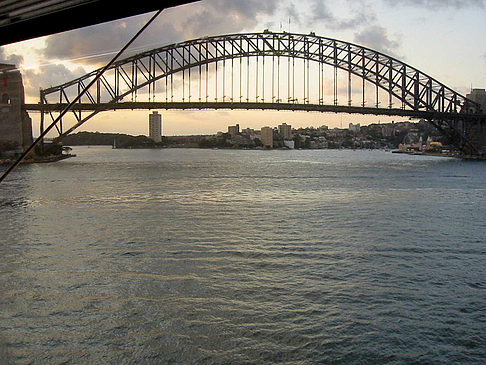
(15, 123)
(478, 132)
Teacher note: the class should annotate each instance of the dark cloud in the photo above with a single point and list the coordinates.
(48, 75)
(173, 25)
(359, 15)
(376, 38)
(11, 58)
(94, 46)
(320, 12)
(45, 76)
(293, 13)
(227, 16)
(210, 17)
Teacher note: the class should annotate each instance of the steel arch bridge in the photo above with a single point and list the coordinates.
(277, 71)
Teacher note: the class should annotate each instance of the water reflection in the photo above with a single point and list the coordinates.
(201, 256)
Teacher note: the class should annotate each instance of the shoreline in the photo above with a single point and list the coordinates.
(301, 149)
(8, 161)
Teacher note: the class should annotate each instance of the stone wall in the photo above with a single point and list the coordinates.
(15, 123)
(479, 96)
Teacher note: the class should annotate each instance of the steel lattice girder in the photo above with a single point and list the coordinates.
(416, 91)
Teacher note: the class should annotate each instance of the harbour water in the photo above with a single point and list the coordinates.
(189, 256)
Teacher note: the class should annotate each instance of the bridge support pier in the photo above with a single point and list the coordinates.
(477, 135)
(469, 137)
(41, 131)
(15, 123)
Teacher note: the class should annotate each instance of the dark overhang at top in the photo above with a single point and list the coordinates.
(26, 19)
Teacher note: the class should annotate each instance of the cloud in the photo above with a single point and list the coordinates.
(43, 76)
(227, 16)
(92, 47)
(320, 15)
(439, 4)
(89, 45)
(11, 58)
(48, 75)
(376, 38)
(293, 13)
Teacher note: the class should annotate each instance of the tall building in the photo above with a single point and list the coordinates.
(155, 127)
(234, 130)
(15, 123)
(267, 137)
(479, 96)
(388, 130)
(285, 131)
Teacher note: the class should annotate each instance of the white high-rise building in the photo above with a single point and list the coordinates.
(155, 127)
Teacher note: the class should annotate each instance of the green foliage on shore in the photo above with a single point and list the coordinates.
(110, 139)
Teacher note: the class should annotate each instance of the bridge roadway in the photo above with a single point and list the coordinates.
(427, 115)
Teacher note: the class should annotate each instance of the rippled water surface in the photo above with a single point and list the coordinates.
(243, 257)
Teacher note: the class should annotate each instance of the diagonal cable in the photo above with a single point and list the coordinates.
(77, 98)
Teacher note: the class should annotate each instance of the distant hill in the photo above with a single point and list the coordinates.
(108, 139)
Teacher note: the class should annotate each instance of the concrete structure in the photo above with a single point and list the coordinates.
(234, 130)
(285, 131)
(155, 127)
(267, 137)
(479, 96)
(289, 144)
(15, 123)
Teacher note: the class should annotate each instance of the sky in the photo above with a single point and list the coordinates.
(445, 39)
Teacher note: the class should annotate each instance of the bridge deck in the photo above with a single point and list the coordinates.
(254, 106)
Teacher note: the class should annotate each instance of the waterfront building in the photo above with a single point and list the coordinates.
(285, 131)
(388, 130)
(248, 131)
(267, 137)
(234, 130)
(155, 127)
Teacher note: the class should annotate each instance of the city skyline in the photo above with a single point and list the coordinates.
(396, 29)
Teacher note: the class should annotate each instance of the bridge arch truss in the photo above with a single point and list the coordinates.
(270, 58)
